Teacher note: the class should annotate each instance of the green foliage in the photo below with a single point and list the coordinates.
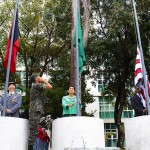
(112, 44)
(114, 41)
(112, 48)
(60, 83)
(53, 102)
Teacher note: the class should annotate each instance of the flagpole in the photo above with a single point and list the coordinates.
(9, 59)
(77, 60)
(142, 58)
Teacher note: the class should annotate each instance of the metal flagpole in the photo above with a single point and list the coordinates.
(9, 59)
(142, 58)
(77, 60)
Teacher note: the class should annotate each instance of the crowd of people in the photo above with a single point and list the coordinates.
(38, 137)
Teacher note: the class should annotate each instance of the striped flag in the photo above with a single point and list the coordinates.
(14, 47)
(138, 76)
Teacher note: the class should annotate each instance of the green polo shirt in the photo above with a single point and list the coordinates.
(69, 110)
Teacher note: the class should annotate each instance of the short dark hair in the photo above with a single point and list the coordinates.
(11, 83)
(32, 80)
(71, 86)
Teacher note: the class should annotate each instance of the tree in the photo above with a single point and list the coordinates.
(7, 12)
(112, 50)
(44, 37)
(45, 43)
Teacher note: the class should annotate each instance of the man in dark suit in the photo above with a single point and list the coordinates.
(13, 101)
(136, 102)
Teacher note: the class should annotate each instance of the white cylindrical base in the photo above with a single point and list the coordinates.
(137, 133)
(72, 132)
(13, 133)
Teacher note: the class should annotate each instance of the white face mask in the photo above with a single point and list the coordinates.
(133, 89)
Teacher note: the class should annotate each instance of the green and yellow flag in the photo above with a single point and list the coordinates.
(81, 57)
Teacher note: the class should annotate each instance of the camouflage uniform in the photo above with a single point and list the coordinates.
(36, 109)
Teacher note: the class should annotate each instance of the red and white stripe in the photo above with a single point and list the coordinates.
(139, 76)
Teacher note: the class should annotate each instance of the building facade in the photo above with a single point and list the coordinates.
(103, 108)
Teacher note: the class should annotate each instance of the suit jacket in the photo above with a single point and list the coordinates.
(137, 105)
(13, 103)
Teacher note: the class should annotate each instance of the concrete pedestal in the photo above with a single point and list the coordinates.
(13, 133)
(137, 133)
(77, 132)
(107, 148)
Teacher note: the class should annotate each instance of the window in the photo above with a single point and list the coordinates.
(107, 108)
(110, 134)
(127, 114)
(100, 83)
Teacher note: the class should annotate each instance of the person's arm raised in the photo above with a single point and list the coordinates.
(42, 80)
(48, 85)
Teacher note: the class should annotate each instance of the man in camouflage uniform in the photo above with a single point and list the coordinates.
(37, 85)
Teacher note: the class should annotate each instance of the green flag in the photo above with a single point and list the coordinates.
(81, 53)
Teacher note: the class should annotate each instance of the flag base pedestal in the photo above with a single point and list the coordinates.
(137, 133)
(13, 133)
(107, 148)
(77, 132)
